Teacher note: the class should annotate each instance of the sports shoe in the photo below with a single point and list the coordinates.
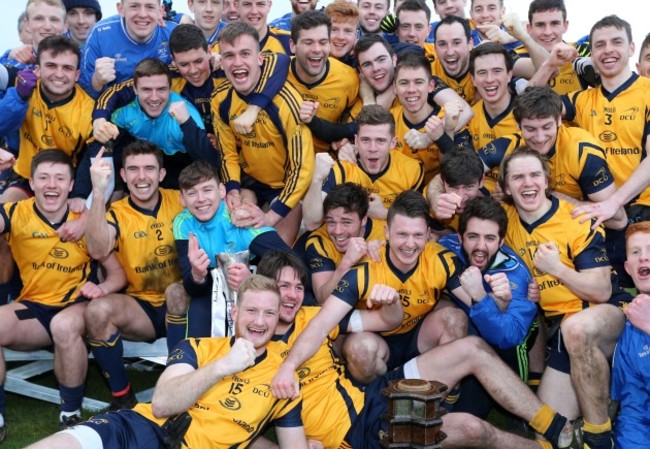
(65, 422)
(126, 401)
(3, 432)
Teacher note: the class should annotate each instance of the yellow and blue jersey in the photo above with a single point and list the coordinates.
(144, 245)
(238, 408)
(51, 269)
(419, 289)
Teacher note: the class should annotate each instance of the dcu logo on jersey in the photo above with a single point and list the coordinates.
(230, 403)
(59, 253)
(608, 136)
(164, 250)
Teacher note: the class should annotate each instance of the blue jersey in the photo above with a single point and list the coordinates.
(7, 61)
(110, 39)
(163, 130)
(283, 23)
(502, 329)
(631, 386)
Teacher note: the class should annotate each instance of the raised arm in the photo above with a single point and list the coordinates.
(181, 385)
(99, 234)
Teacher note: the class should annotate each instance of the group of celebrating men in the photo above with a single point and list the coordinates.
(462, 201)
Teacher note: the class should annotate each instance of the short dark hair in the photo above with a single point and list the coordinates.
(545, 5)
(537, 102)
(272, 263)
(151, 67)
(414, 6)
(368, 41)
(349, 196)
(644, 45)
(523, 151)
(309, 20)
(53, 156)
(471, 3)
(489, 48)
(450, 20)
(195, 173)
(484, 208)
(187, 37)
(412, 60)
(235, 30)
(611, 21)
(138, 147)
(374, 115)
(57, 45)
(409, 203)
(461, 166)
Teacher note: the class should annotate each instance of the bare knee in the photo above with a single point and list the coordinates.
(455, 323)
(67, 327)
(366, 355)
(177, 299)
(98, 316)
(465, 430)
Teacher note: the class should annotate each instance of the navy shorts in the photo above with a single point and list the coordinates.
(265, 194)
(156, 316)
(557, 356)
(367, 428)
(44, 314)
(403, 347)
(126, 428)
(9, 178)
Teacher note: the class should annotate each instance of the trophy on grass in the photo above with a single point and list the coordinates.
(223, 297)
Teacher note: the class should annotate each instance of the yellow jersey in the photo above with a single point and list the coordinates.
(580, 248)
(52, 270)
(145, 245)
(620, 120)
(278, 152)
(336, 92)
(484, 129)
(577, 162)
(402, 173)
(429, 156)
(322, 255)
(324, 386)
(236, 409)
(419, 289)
(65, 125)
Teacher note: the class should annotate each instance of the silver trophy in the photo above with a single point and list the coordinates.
(223, 297)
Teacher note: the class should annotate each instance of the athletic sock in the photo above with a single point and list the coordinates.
(176, 330)
(109, 357)
(71, 398)
(549, 423)
(597, 436)
(533, 381)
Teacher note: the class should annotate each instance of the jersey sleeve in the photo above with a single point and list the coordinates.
(230, 169)
(267, 241)
(13, 109)
(595, 174)
(300, 161)
(493, 153)
(570, 106)
(630, 386)
(275, 69)
(317, 258)
(348, 289)
(114, 98)
(90, 54)
(590, 252)
(184, 352)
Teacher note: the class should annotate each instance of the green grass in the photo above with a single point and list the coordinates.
(29, 420)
